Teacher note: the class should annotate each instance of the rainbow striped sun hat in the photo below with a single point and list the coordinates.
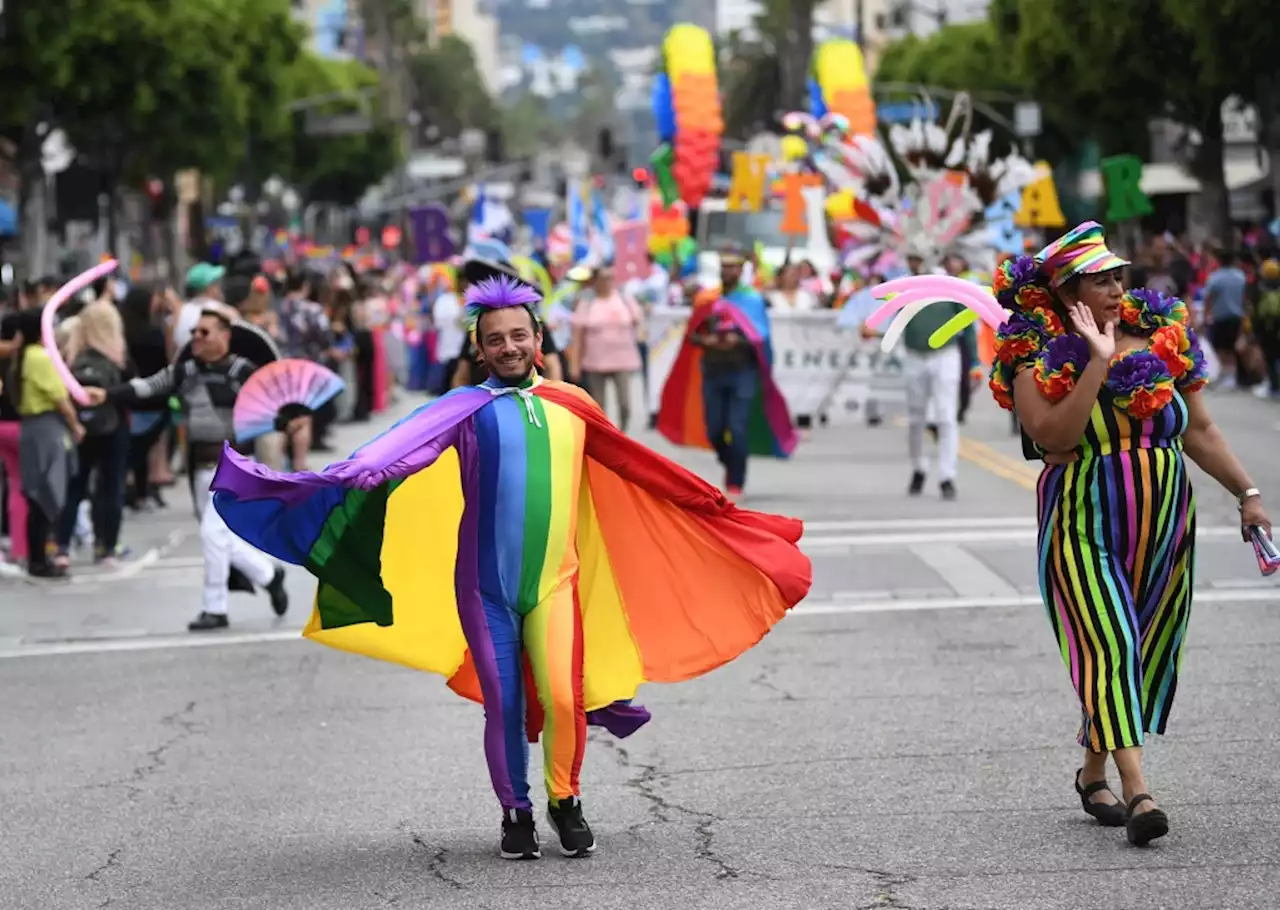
(1080, 251)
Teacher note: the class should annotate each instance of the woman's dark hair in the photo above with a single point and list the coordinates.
(27, 325)
(135, 309)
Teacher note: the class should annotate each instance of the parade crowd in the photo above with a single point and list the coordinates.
(128, 455)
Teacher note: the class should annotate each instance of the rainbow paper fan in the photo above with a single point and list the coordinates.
(279, 392)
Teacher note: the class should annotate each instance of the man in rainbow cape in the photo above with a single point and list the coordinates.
(720, 392)
(508, 537)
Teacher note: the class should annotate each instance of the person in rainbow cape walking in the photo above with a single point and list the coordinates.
(508, 537)
(720, 392)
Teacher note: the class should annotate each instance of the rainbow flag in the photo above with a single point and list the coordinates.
(395, 561)
(681, 418)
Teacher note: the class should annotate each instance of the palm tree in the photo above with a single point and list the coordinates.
(765, 74)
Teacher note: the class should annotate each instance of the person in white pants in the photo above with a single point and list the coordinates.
(207, 384)
(933, 397)
(224, 551)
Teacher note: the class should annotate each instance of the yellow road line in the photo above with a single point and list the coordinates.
(1011, 469)
(1014, 470)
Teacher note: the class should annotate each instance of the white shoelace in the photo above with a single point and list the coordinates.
(526, 395)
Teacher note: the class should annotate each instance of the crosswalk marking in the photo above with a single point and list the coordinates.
(14, 649)
(1203, 596)
(969, 577)
(941, 532)
(162, 566)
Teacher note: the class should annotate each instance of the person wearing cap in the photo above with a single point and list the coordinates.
(207, 384)
(1107, 389)
(202, 290)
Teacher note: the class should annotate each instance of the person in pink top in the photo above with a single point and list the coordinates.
(606, 344)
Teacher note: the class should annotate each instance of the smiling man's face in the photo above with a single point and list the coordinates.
(509, 340)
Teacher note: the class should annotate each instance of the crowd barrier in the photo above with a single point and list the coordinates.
(823, 370)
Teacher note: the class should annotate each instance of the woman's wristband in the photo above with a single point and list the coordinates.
(1247, 494)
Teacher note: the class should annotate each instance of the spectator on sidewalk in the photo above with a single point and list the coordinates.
(144, 310)
(14, 502)
(97, 355)
(50, 433)
(605, 350)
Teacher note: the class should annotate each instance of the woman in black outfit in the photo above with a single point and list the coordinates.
(145, 338)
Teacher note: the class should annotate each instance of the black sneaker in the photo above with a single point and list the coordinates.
(917, 484)
(207, 622)
(279, 596)
(519, 835)
(566, 819)
(948, 490)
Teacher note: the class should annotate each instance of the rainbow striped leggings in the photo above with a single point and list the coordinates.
(1117, 557)
(512, 650)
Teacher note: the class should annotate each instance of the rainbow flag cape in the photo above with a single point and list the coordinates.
(673, 580)
(680, 413)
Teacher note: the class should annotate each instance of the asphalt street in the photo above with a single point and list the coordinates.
(904, 740)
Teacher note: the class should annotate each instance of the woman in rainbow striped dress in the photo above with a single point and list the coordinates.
(1106, 385)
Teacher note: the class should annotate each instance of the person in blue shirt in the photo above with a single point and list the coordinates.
(1224, 301)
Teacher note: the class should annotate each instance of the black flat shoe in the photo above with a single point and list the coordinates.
(1110, 815)
(1145, 827)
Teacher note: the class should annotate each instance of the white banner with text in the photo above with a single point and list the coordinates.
(820, 368)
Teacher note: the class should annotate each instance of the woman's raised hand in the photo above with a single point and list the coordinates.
(1102, 341)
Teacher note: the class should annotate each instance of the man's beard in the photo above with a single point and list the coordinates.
(515, 379)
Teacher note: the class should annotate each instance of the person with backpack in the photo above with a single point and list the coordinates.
(96, 351)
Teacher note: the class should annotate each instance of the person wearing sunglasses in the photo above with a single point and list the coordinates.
(207, 384)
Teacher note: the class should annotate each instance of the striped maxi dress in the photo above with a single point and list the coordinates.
(1117, 554)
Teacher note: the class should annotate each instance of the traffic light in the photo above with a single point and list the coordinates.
(157, 198)
(640, 176)
(604, 144)
(494, 153)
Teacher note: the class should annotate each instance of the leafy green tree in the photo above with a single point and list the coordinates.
(528, 127)
(1112, 67)
(766, 74)
(451, 94)
(750, 76)
(148, 86)
(336, 169)
(978, 58)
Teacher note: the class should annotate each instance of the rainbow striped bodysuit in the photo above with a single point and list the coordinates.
(522, 507)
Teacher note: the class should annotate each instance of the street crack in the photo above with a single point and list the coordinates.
(182, 727)
(764, 679)
(112, 862)
(437, 864)
(644, 781)
(886, 895)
